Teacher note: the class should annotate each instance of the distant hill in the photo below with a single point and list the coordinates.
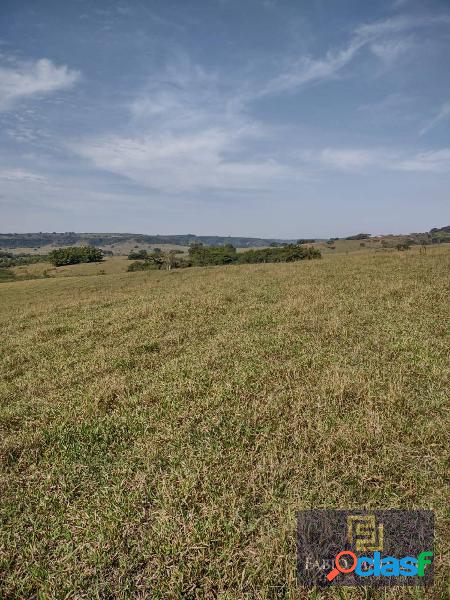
(121, 243)
(436, 235)
(34, 240)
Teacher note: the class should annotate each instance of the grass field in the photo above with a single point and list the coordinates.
(159, 430)
(109, 266)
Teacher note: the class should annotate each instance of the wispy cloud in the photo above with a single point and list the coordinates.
(188, 132)
(385, 39)
(191, 130)
(345, 159)
(25, 79)
(442, 115)
(363, 159)
(20, 175)
(393, 103)
(400, 23)
(389, 51)
(181, 163)
(399, 3)
(434, 161)
(307, 70)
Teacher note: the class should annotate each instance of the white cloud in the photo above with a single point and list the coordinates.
(390, 50)
(399, 3)
(362, 159)
(378, 36)
(188, 132)
(442, 115)
(392, 103)
(309, 70)
(434, 161)
(184, 93)
(20, 175)
(26, 79)
(183, 162)
(347, 159)
(398, 24)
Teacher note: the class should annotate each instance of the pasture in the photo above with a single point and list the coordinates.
(159, 430)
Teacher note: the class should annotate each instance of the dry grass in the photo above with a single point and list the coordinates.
(110, 265)
(161, 429)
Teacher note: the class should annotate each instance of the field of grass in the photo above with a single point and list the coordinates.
(159, 430)
(110, 265)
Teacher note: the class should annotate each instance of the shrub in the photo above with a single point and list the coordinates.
(201, 256)
(359, 236)
(138, 255)
(159, 260)
(6, 275)
(223, 255)
(16, 260)
(74, 255)
(139, 266)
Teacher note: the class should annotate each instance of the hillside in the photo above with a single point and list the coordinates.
(124, 243)
(111, 240)
(159, 430)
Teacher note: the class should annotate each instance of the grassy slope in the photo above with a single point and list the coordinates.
(109, 265)
(159, 430)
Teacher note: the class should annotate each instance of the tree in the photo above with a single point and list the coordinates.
(74, 255)
(359, 236)
(138, 255)
(169, 259)
(404, 246)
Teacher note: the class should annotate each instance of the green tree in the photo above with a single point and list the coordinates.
(74, 255)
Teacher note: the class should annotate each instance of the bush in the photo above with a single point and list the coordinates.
(359, 236)
(16, 260)
(159, 260)
(74, 255)
(288, 253)
(140, 266)
(223, 255)
(138, 255)
(6, 275)
(201, 256)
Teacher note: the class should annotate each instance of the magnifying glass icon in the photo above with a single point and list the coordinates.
(338, 568)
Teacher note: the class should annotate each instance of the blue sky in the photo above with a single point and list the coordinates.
(276, 118)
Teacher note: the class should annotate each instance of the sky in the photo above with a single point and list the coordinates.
(268, 118)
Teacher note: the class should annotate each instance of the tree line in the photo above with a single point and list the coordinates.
(203, 256)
